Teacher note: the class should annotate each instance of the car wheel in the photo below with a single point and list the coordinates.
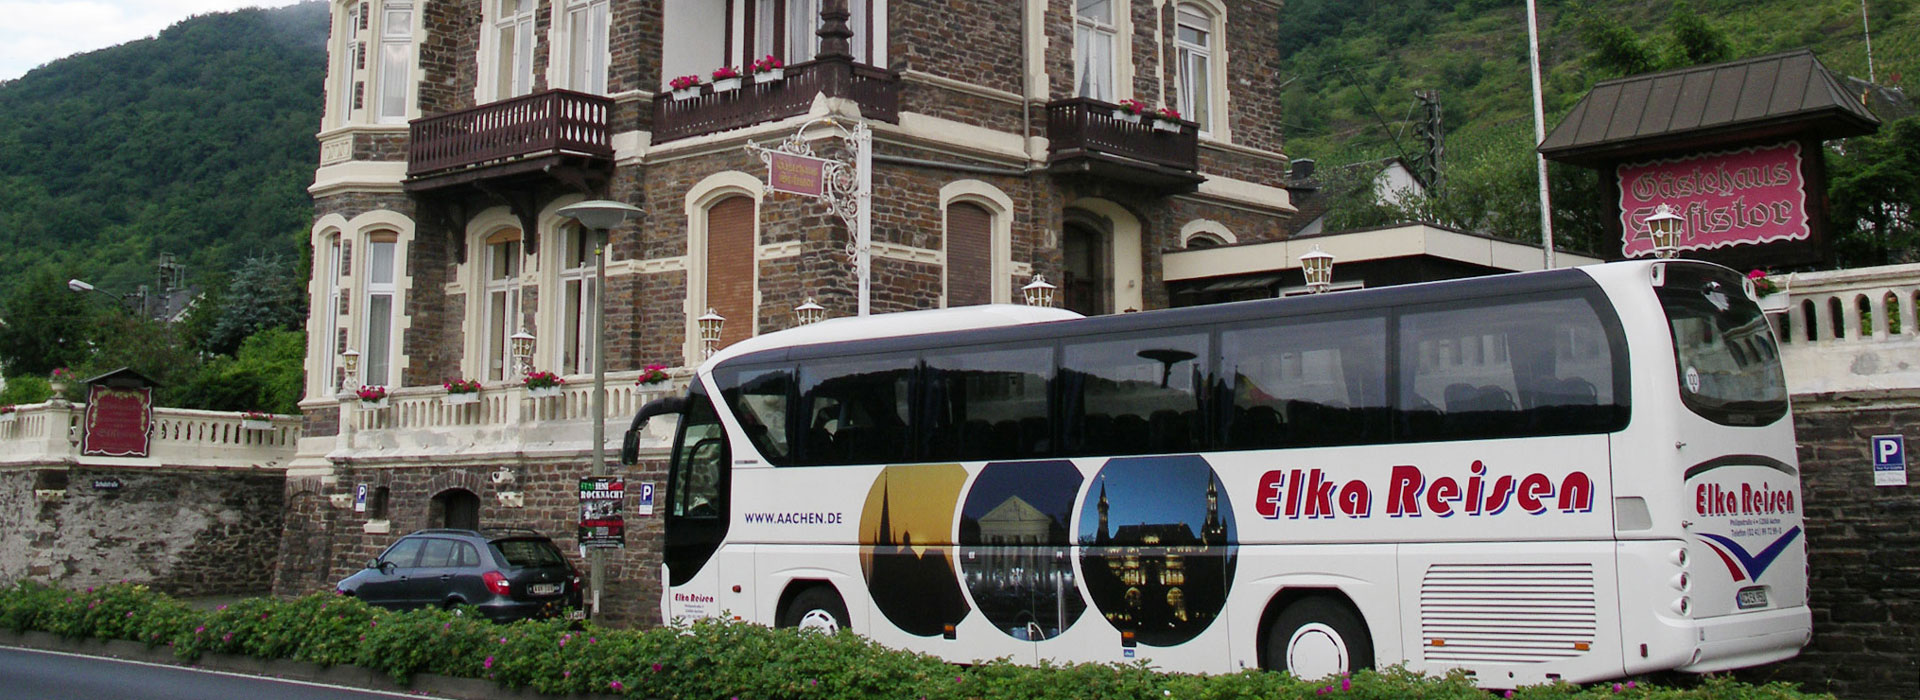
(1318, 637)
(817, 608)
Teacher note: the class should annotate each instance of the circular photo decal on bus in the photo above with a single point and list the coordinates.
(907, 530)
(1014, 547)
(1157, 558)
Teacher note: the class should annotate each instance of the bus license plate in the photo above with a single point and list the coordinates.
(554, 589)
(1750, 598)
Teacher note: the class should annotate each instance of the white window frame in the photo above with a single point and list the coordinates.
(370, 356)
(588, 53)
(346, 63)
(500, 307)
(1213, 20)
(1086, 28)
(394, 79)
(327, 325)
(501, 81)
(576, 288)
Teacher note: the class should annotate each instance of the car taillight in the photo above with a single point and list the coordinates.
(497, 582)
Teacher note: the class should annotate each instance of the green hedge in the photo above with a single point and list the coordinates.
(709, 660)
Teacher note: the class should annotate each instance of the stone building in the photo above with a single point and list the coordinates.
(1002, 146)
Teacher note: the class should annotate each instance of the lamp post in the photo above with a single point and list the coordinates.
(125, 301)
(711, 323)
(599, 216)
(1317, 264)
(1664, 226)
(350, 362)
(809, 312)
(1038, 292)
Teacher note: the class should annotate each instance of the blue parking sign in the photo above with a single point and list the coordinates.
(1889, 460)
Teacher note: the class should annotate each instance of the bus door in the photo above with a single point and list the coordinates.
(699, 496)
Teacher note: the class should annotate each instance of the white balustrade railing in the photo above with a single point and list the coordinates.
(427, 422)
(50, 433)
(1850, 330)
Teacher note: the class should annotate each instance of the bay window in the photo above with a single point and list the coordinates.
(377, 334)
(513, 48)
(587, 50)
(396, 53)
(1193, 65)
(347, 60)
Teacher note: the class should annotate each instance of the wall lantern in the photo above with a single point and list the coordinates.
(809, 312)
(1038, 292)
(1317, 264)
(1664, 225)
(710, 324)
(350, 361)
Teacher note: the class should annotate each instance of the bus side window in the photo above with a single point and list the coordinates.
(1139, 395)
(1296, 383)
(1508, 369)
(987, 403)
(701, 473)
(758, 397)
(856, 410)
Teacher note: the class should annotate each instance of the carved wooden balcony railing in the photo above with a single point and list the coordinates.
(1090, 136)
(513, 135)
(876, 90)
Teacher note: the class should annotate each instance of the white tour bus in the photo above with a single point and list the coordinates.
(1575, 474)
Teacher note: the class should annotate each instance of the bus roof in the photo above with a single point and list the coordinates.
(896, 324)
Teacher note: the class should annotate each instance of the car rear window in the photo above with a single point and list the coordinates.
(521, 553)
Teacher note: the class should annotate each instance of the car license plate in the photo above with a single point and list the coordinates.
(1750, 598)
(544, 589)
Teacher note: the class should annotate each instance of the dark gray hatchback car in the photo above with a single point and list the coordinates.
(507, 574)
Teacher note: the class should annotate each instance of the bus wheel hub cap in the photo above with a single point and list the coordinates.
(1315, 652)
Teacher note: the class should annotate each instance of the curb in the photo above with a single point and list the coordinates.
(286, 669)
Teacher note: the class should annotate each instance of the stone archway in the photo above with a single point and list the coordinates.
(457, 509)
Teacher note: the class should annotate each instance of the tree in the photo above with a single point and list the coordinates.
(1873, 187)
(265, 374)
(46, 325)
(264, 293)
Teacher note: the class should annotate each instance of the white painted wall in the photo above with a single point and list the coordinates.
(697, 43)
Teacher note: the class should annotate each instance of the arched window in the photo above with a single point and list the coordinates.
(1205, 240)
(501, 280)
(970, 279)
(1194, 51)
(730, 268)
(382, 262)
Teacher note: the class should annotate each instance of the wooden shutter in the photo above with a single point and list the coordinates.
(969, 255)
(730, 268)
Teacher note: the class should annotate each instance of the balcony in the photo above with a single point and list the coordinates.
(876, 90)
(417, 423)
(1089, 136)
(541, 132)
(48, 434)
(1850, 330)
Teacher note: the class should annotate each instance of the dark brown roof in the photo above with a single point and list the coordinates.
(1782, 95)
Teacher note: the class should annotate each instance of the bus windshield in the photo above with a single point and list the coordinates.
(1724, 351)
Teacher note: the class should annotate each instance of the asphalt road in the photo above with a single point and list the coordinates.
(35, 675)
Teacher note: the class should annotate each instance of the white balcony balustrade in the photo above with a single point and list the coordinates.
(418, 423)
(47, 434)
(1850, 330)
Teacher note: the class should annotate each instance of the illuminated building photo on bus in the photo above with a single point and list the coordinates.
(1014, 547)
(1155, 536)
(907, 530)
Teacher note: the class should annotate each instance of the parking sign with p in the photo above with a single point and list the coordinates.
(1889, 460)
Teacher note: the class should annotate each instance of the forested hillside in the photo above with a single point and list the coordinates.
(197, 142)
(1352, 67)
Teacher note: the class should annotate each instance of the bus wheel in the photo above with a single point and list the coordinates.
(1318, 637)
(817, 608)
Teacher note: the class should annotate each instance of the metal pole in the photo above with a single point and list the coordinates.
(597, 562)
(863, 218)
(1539, 134)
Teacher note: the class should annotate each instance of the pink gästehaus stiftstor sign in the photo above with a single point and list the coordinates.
(1730, 198)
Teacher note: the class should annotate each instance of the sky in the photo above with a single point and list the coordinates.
(36, 32)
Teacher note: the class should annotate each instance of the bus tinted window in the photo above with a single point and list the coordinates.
(855, 411)
(1729, 367)
(1308, 382)
(1138, 395)
(759, 400)
(699, 479)
(1508, 369)
(987, 404)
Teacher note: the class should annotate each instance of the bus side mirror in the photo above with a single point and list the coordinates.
(630, 448)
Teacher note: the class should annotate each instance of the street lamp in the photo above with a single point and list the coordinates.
(710, 324)
(809, 312)
(1317, 264)
(1038, 292)
(1664, 225)
(125, 301)
(599, 215)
